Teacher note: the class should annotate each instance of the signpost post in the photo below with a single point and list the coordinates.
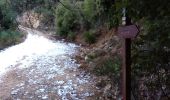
(127, 32)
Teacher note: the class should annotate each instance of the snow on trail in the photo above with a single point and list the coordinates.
(33, 47)
(42, 69)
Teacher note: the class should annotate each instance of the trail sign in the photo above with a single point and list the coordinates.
(127, 32)
(130, 31)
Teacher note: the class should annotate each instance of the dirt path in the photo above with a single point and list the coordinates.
(48, 81)
(49, 74)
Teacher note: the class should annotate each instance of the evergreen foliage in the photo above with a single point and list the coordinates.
(8, 38)
(89, 37)
(87, 14)
(8, 34)
(89, 10)
(66, 18)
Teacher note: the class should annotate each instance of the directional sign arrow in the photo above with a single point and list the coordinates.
(130, 31)
(127, 32)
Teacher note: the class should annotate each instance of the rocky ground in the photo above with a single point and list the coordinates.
(49, 81)
(91, 56)
(64, 77)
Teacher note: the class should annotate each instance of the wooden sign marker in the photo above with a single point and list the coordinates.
(127, 32)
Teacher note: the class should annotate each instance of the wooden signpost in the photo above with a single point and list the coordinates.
(127, 32)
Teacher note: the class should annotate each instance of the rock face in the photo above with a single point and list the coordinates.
(30, 19)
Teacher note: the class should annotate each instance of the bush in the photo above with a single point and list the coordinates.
(89, 37)
(87, 14)
(109, 66)
(8, 15)
(8, 38)
(71, 36)
(89, 9)
(8, 35)
(65, 18)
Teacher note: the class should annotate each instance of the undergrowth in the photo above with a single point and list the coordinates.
(108, 66)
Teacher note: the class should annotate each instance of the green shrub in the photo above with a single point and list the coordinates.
(71, 35)
(65, 18)
(8, 15)
(89, 37)
(88, 14)
(109, 66)
(8, 38)
(89, 9)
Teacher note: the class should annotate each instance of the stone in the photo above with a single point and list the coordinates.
(86, 58)
(107, 91)
(107, 87)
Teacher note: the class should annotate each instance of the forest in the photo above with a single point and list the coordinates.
(88, 22)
